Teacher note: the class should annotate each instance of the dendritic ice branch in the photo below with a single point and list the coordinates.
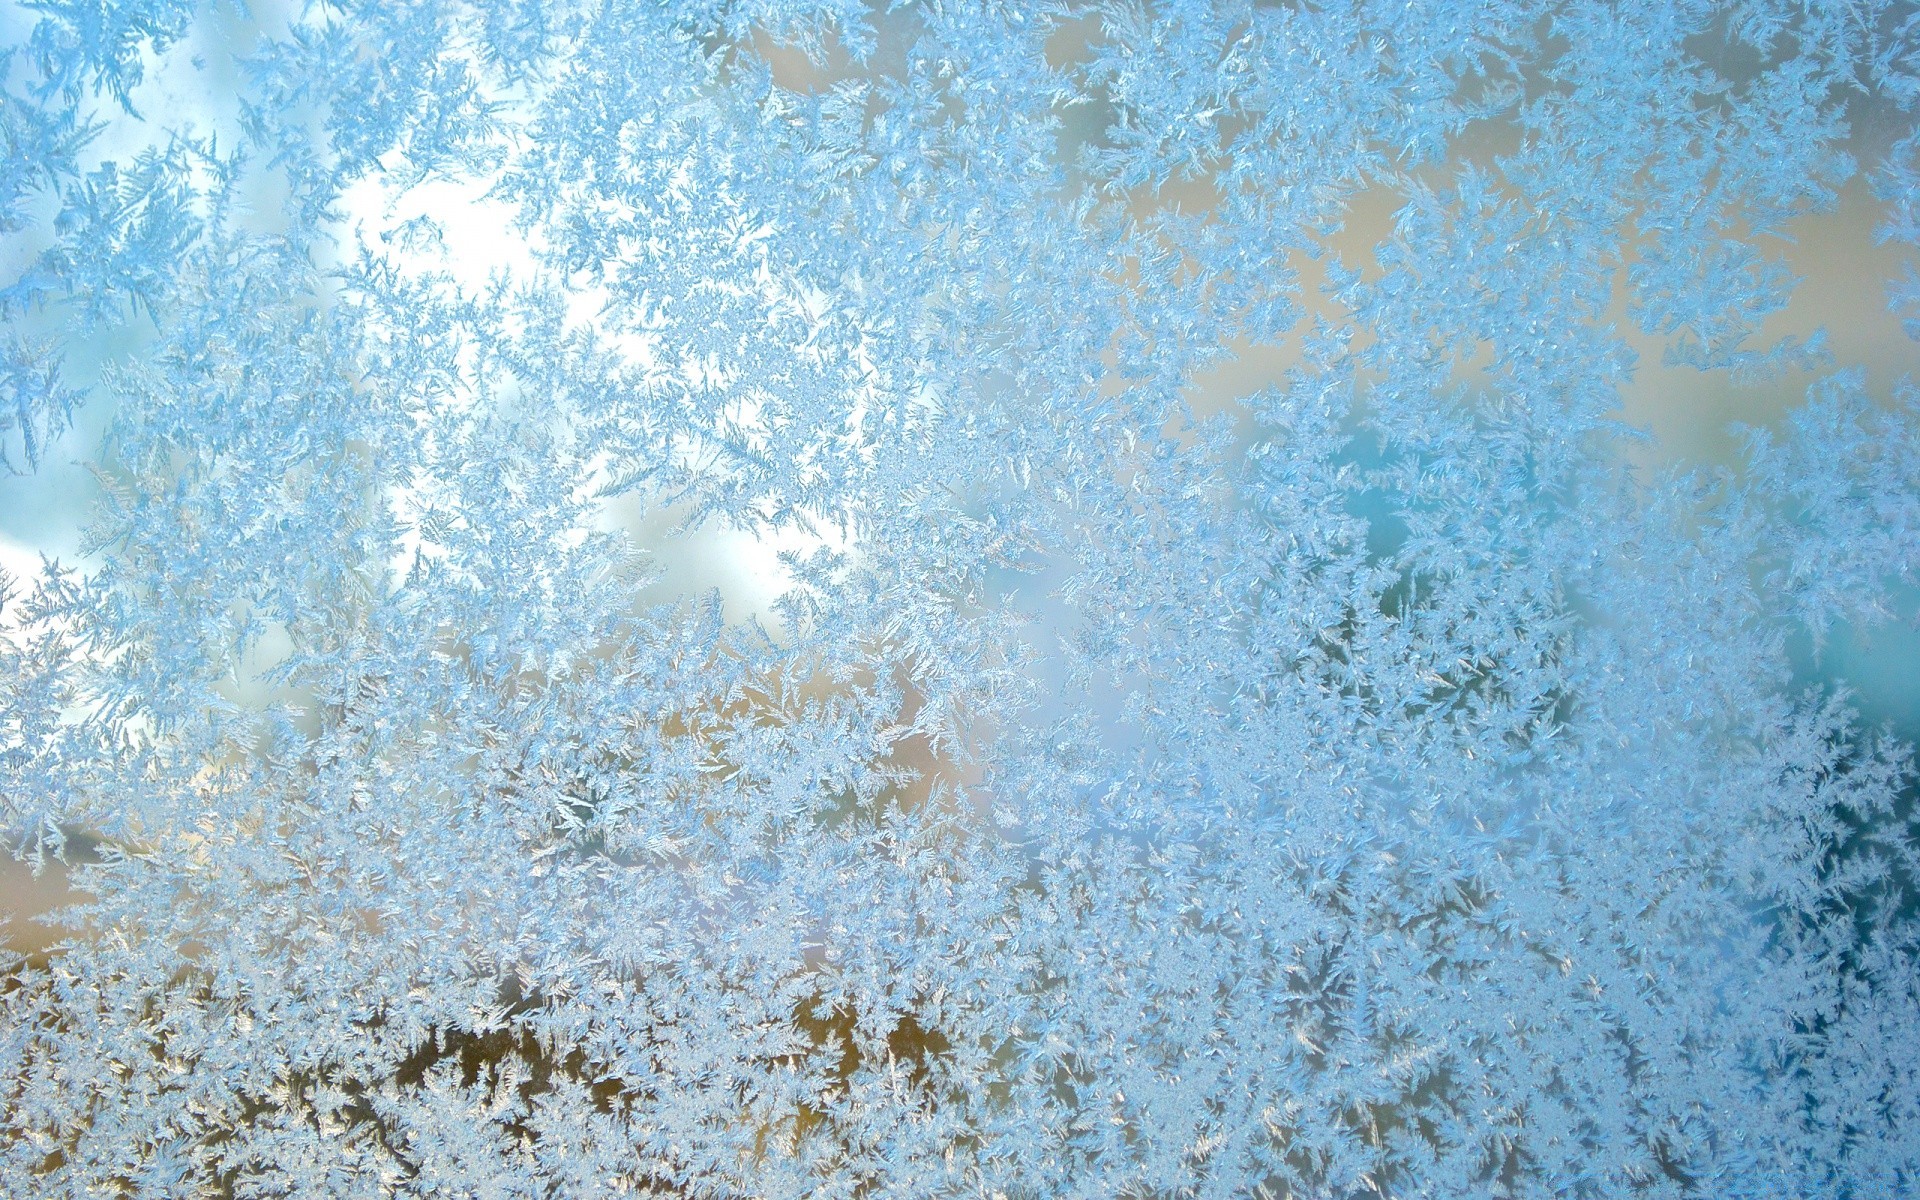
(1031, 600)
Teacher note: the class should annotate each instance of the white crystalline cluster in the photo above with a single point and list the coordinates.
(675, 606)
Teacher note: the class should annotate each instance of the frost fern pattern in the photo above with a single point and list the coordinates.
(1107, 781)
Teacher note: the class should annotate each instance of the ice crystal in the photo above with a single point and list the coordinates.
(1078, 776)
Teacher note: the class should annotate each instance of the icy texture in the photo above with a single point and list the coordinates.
(1368, 788)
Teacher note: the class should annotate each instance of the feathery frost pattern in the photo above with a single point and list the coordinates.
(1363, 783)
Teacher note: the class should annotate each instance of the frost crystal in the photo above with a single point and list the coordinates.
(686, 599)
